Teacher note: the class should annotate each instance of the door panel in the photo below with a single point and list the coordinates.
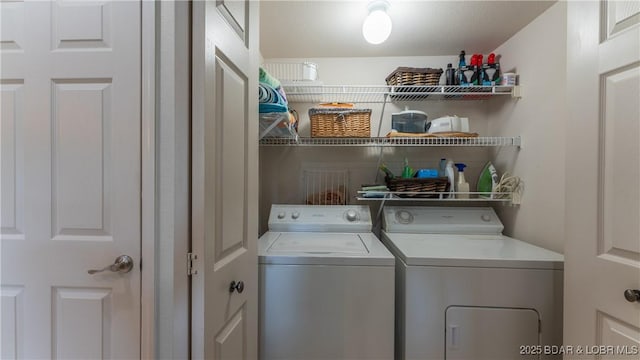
(11, 330)
(232, 338)
(602, 206)
(81, 149)
(82, 323)
(619, 15)
(12, 159)
(70, 161)
(225, 167)
(12, 26)
(235, 12)
(624, 337)
(231, 106)
(81, 25)
(620, 168)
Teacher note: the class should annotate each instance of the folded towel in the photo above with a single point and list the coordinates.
(280, 90)
(270, 99)
(266, 78)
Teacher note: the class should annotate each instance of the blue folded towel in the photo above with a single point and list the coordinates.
(270, 99)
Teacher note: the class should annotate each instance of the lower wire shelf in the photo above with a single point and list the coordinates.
(436, 196)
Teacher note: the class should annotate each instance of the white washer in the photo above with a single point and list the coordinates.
(464, 291)
(326, 285)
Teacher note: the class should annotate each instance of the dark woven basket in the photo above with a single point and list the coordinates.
(414, 76)
(439, 185)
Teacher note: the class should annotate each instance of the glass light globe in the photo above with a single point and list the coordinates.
(376, 27)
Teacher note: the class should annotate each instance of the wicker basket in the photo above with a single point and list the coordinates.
(414, 76)
(418, 185)
(327, 122)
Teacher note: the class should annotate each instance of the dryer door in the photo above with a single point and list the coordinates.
(478, 333)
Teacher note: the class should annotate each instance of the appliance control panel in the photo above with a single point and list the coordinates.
(324, 218)
(441, 220)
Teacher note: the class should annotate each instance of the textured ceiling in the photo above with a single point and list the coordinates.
(319, 28)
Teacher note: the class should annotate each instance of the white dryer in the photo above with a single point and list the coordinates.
(464, 291)
(326, 285)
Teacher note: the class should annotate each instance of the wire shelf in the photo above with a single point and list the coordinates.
(382, 93)
(326, 186)
(276, 125)
(493, 141)
(436, 196)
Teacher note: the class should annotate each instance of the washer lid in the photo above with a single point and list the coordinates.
(317, 248)
(496, 251)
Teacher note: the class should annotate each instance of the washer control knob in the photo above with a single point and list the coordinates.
(485, 217)
(281, 215)
(352, 215)
(295, 215)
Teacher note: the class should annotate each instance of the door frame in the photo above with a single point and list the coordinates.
(148, 176)
(162, 21)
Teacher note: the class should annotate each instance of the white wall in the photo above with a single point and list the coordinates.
(538, 54)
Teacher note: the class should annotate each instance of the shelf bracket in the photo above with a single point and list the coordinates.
(517, 141)
(384, 104)
(516, 92)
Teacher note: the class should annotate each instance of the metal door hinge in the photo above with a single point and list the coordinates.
(191, 257)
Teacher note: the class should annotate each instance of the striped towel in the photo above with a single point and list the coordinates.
(270, 99)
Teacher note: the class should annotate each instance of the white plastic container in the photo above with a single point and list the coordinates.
(509, 79)
(449, 124)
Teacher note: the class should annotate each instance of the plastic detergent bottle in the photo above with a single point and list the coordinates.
(462, 62)
(463, 185)
(451, 175)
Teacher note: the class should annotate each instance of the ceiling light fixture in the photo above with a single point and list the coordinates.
(377, 26)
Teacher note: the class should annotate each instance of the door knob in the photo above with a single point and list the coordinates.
(236, 286)
(632, 295)
(122, 264)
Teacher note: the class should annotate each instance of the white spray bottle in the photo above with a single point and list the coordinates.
(463, 186)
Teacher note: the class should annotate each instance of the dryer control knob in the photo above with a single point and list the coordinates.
(404, 217)
(281, 215)
(295, 215)
(485, 217)
(352, 215)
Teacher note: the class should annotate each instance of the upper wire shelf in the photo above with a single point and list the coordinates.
(383, 93)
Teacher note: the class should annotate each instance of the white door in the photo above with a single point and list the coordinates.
(225, 179)
(70, 162)
(603, 178)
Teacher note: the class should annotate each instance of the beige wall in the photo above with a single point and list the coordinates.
(538, 54)
(281, 168)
